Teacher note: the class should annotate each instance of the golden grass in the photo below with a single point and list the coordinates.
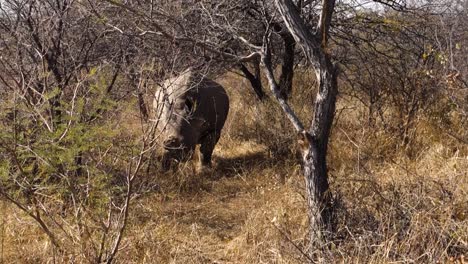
(250, 208)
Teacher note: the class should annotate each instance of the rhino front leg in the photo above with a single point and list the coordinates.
(207, 146)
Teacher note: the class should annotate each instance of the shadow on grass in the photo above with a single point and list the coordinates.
(233, 166)
(189, 177)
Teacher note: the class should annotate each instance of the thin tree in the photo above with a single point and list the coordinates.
(314, 140)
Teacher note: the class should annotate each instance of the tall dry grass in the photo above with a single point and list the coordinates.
(392, 204)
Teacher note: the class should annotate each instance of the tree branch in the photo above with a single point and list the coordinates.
(266, 61)
(160, 31)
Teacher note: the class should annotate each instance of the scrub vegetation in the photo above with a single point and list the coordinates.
(80, 170)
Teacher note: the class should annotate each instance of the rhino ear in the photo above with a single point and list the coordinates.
(190, 105)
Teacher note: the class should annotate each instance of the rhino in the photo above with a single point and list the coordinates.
(191, 109)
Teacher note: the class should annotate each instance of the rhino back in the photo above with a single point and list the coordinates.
(212, 104)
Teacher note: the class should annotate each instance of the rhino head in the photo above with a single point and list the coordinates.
(182, 130)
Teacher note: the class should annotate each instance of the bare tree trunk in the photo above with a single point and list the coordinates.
(287, 67)
(254, 79)
(141, 99)
(142, 106)
(315, 163)
(316, 139)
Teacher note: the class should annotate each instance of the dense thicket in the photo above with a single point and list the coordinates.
(71, 71)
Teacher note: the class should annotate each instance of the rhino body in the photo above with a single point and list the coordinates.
(190, 109)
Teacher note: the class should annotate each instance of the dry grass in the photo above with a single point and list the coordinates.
(250, 208)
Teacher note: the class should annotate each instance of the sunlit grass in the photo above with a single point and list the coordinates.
(250, 208)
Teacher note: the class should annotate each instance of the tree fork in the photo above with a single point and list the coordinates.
(315, 141)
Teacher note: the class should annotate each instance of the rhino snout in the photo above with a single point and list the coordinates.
(174, 151)
(172, 143)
